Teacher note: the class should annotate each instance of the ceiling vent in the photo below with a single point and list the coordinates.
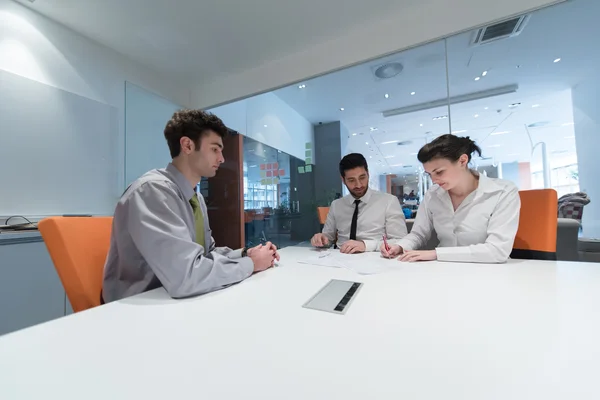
(502, 30)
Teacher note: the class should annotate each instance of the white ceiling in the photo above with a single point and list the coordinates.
(208, 40)
(568, 31)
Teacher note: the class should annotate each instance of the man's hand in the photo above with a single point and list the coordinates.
(268, 245)
(418, 255)
(262, 257)
(319, 240)
(274, 248)
(393, 252)
(353, 246)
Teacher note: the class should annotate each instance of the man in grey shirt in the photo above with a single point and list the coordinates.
(359, 220)
(161, 234)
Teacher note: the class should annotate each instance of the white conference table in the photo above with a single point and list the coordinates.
(523, 330)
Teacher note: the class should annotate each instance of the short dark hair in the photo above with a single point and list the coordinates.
(192, 124)
(351, 161)
(449, 147)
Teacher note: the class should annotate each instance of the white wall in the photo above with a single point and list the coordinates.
(146, 115)
(285, 129)
(421, 22)
(37, 48)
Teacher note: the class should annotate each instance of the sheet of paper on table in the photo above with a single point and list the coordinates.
(363, 264)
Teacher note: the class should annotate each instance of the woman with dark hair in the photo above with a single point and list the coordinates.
(475, 217)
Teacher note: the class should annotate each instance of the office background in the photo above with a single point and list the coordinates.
(552, 61)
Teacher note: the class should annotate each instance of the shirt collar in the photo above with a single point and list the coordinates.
(365, 199)
(181, 181)
(488, 185)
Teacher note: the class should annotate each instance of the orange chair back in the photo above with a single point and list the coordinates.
(536, 237)
(78, 247)
(323, 211)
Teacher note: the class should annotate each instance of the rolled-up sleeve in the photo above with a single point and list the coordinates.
(163, 239)
(501, 232)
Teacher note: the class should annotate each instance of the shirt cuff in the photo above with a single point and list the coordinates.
(246, 265)
(371, 245)
(406, 245)
(457, 254)
(235, 254)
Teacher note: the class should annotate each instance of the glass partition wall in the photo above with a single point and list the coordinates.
(275, 197)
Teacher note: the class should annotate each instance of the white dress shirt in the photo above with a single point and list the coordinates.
(482, 229)
(378, 213)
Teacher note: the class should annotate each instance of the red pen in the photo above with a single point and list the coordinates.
(387, 247)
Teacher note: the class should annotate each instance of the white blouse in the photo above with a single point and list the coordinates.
(482, 229)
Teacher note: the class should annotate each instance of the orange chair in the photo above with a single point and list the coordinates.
(323, 211)
(78, 247)
(536, 236)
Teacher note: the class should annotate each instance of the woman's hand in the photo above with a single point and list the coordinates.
(393, 252)
(418, 255)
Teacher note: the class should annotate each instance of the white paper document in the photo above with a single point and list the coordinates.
(363, 263)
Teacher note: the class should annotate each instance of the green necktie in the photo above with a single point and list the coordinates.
(199, 220)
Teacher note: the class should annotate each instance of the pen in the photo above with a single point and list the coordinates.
(387, 247)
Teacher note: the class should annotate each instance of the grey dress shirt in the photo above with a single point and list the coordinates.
(378, 213)
(153, 243)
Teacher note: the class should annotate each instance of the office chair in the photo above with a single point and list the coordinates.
(536, 236)
(78, 247)
(323, 212)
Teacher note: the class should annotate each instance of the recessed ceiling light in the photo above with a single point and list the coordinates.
(557, 60)
(253, 166)
(387, 96)
(354, 134)
(265, 126)
(484, 73)
(476, 116)
(455, 132)
(390, 142)
(373, 129)
(514, 105)
(478, 78)
(370, 156)
(341, 108)
(413, 93)
(535, 106)
(500, 133)
(389, 157)
(440, 117)
(301, 86)
(413, 154)
(486, 108)
(421, 125)
(396, 165)
(367, 143)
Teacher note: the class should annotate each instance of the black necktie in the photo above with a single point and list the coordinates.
(354, 221)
